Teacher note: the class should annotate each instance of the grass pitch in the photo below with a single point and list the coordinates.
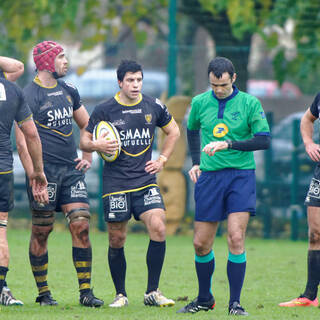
(276, 272)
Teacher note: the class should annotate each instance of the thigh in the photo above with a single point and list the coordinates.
(6, 192)
(117, 207)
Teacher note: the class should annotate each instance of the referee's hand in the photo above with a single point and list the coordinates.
(194, 173)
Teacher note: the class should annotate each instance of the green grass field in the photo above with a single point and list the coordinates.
(276, 271)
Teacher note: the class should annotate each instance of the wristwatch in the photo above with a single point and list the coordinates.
(229, 143)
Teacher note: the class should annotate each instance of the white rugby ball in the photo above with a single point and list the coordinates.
(113, 134)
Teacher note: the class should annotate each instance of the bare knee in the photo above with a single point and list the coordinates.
(201, 246)
(80, 230)
(236, 242)
(314, 237)
(117, 238)
(40, 234)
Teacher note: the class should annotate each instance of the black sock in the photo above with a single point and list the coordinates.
(155, 258)
(82, 260)
(118, 268)
(39, 267)
(313, 274)
(3, 274)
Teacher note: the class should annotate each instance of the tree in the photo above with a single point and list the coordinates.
(231, 25)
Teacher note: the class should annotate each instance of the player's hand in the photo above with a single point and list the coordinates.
(103, 144)
(154, 166)
(313, 150)
(194, 173)
(212, 147)
(39, 183)
(82, 165)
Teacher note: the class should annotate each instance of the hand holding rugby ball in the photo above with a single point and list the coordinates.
(107, 127)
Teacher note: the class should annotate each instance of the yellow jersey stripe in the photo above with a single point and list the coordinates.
(56, 131)
(137, 154)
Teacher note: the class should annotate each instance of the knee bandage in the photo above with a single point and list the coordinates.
(42, 218)
(3, 223)
(78, 214)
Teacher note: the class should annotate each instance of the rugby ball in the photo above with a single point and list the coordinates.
(113, 134)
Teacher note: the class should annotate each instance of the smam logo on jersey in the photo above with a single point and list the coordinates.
(220, 130)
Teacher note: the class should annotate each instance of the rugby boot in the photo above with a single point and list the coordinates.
(89, 300)
(196, 306)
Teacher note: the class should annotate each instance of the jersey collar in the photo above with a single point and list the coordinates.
(232, 95)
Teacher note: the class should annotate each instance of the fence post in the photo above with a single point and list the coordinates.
(267, 215)
(295, 179)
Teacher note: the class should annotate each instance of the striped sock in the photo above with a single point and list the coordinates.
(39, 266)
(82, 260)
(3, 274)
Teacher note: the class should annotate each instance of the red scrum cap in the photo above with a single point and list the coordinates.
(44, 54)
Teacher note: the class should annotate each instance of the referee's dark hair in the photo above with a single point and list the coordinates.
(128, 66)
(220, 65)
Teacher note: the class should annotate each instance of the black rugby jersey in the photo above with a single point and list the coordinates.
(136, 125)
(13, 106)
(52, 109)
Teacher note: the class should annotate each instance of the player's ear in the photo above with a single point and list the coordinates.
(120, 84)
(234, 77)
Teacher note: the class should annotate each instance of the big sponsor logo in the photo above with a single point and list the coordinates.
(135, 137)
(79, 190)
(59, 116)
(153, 196)
(220, 130)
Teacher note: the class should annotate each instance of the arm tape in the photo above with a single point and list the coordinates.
(258, 142)
(193, 137)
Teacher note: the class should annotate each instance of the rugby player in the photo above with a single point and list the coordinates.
(232, 125)
(129, 183)
(55, 104)
(14, 108)
(309, 297)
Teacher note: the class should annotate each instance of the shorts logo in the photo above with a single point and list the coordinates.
(52, 191)
(117, 203)
(79, 190)
(220, 130)
(153, 196)
(314, 189)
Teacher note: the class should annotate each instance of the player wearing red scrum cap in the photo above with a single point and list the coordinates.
(55, 104)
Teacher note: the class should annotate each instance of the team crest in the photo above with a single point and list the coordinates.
(69, 99)
(148, 117)
(220, 130)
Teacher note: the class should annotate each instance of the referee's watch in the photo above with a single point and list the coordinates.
(229, 143)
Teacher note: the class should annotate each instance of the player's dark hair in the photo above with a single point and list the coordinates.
(220, 65)
(128, 66)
